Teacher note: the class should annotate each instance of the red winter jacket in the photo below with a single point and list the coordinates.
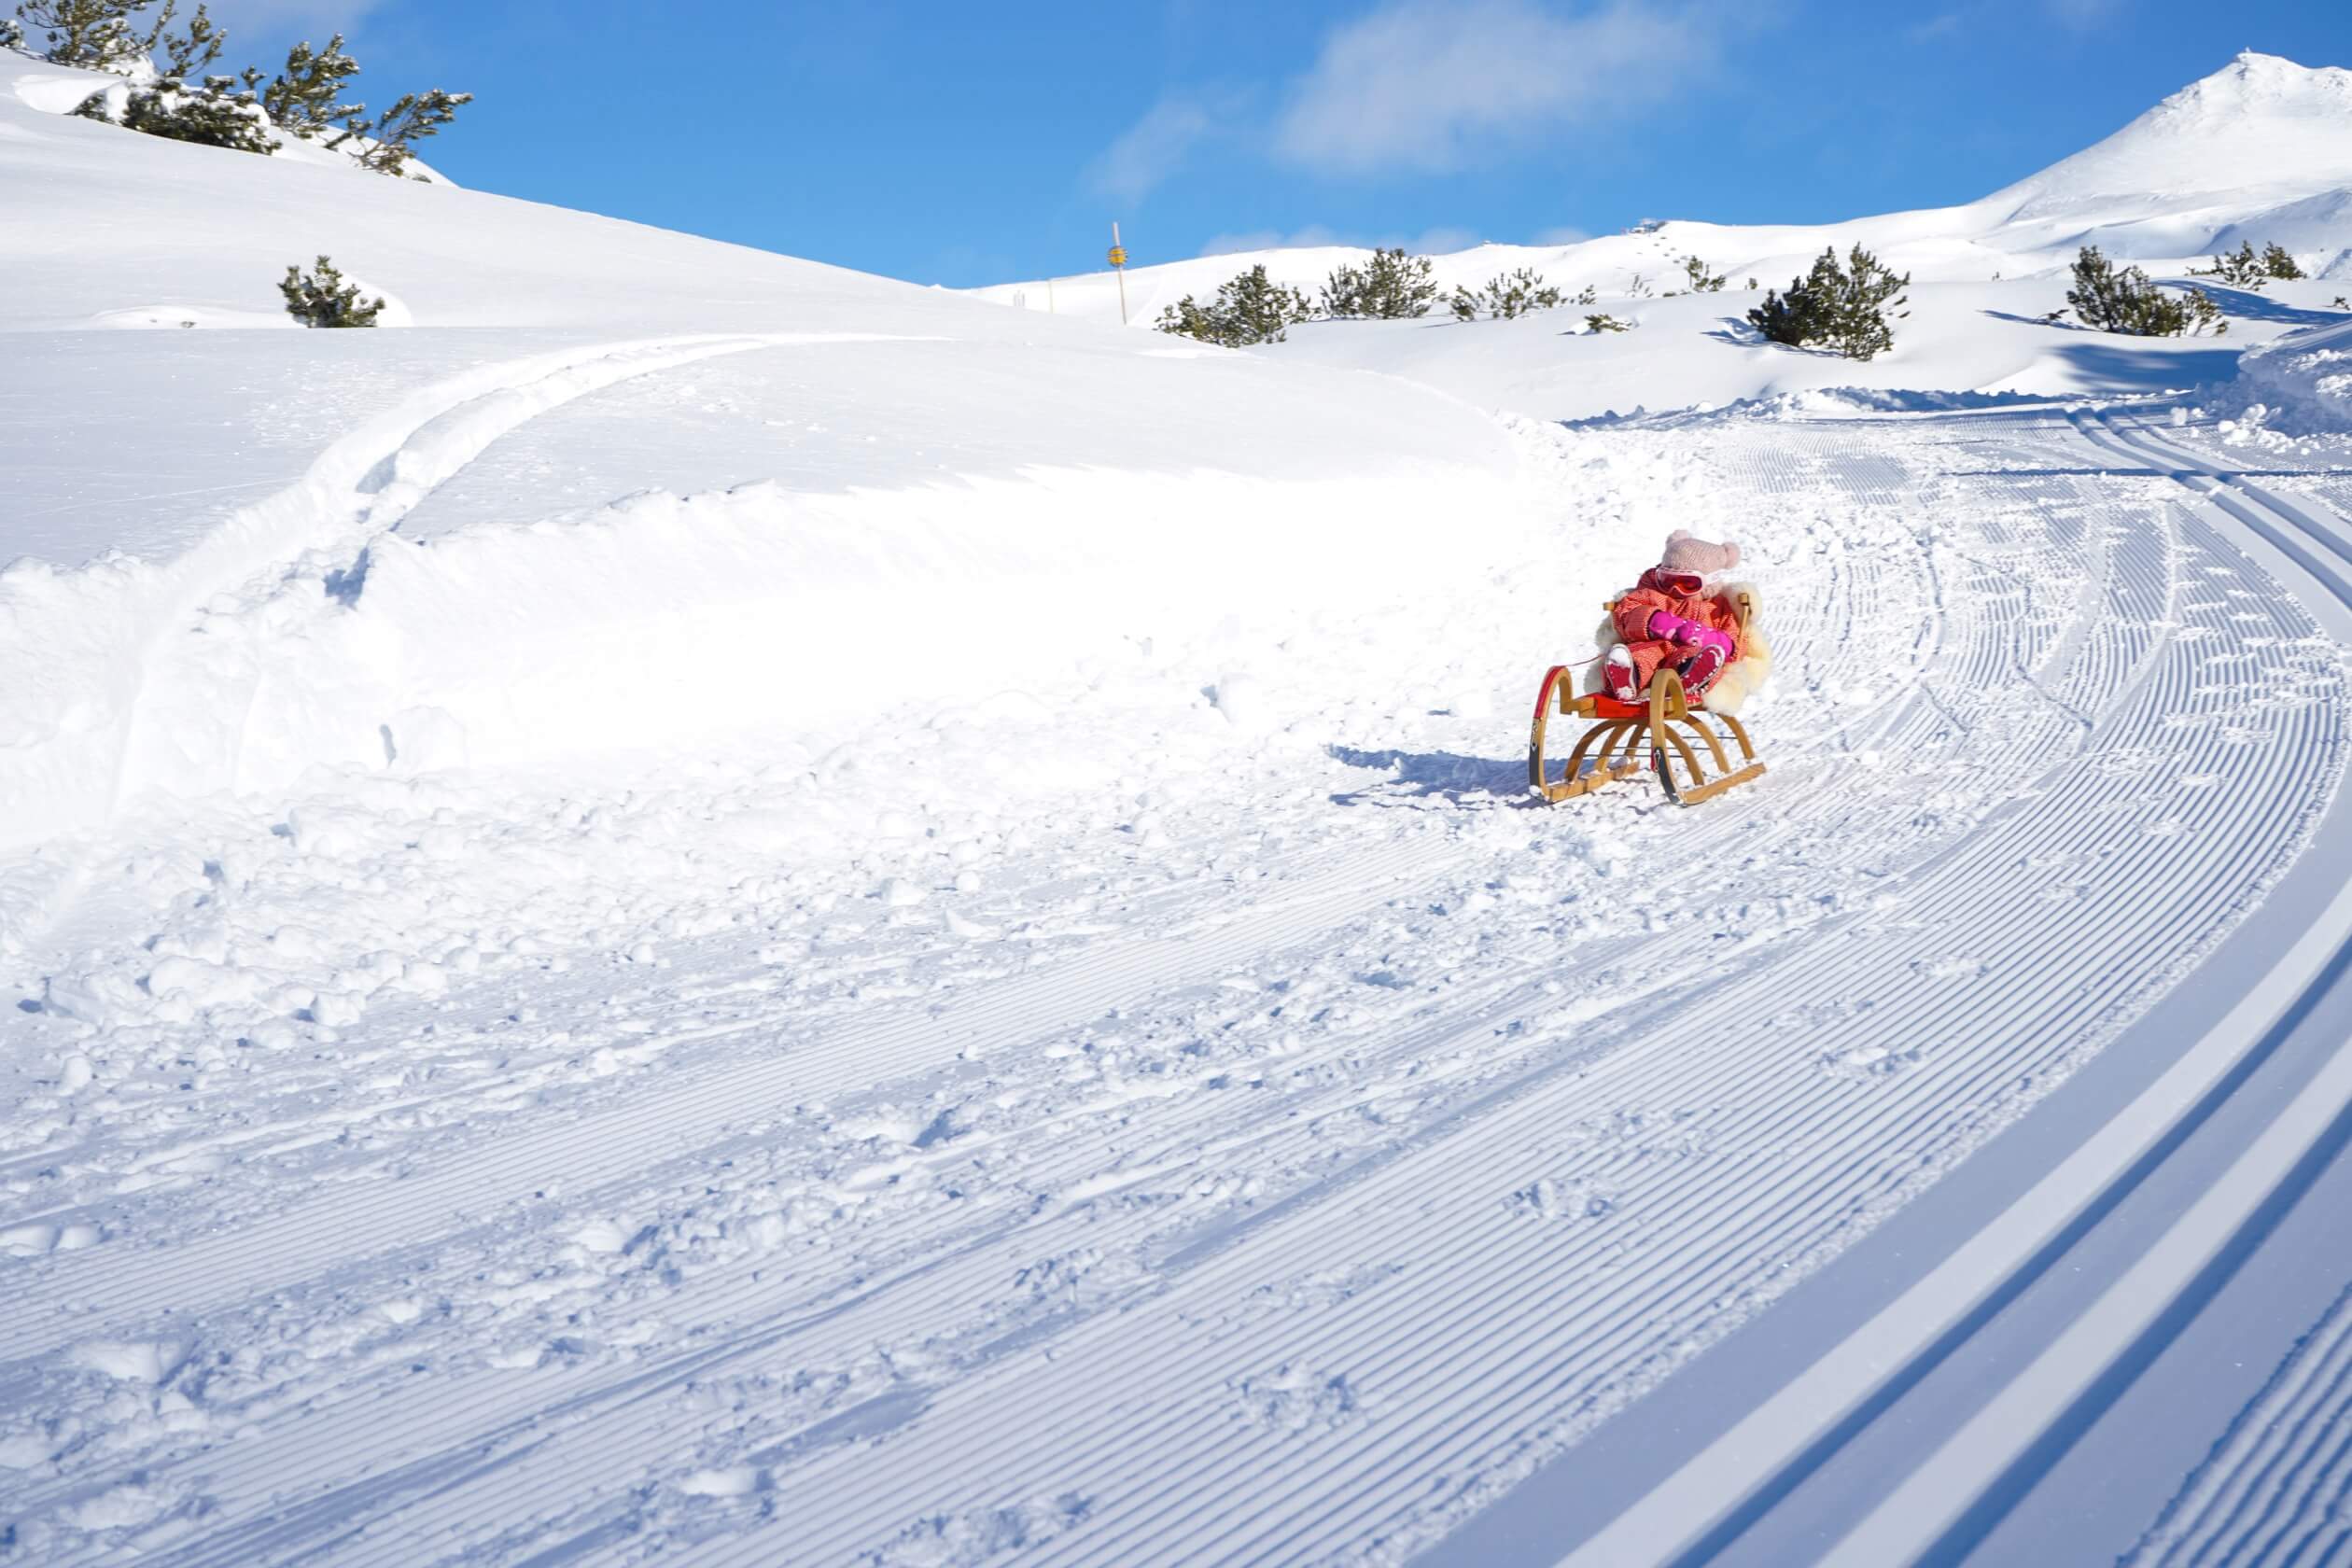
(1652, 596)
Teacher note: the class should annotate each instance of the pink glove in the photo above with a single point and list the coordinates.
(1689, 634)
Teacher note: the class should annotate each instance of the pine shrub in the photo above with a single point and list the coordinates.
(191, 53)
(2279, 264)
(324, 299)
(1519, 292)
(210, 116)
(2112, 300)
(305, 98)
(91, 35)
(2240, 268)
(1702, 281)
(1391, 285)
(1841, 308)
(1250, 308)
(1608, 324)
(391, 140)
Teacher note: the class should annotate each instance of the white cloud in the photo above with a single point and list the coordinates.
(1153, 149)
(1563, 236)
(1427, 86)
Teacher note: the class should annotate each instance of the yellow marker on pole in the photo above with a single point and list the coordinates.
(1118, 268)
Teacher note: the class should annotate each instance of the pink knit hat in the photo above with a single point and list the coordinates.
(1685, 554)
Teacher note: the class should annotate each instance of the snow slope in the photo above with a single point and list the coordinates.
(897, 457)
(701, 909)
(2260, 151)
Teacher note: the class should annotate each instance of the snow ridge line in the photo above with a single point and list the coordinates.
(1687, 1507)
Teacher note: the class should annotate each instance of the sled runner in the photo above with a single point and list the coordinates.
(1624, 737)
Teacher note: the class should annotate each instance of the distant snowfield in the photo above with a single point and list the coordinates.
(700, 906)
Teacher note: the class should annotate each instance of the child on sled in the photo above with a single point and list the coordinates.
(1685, 615)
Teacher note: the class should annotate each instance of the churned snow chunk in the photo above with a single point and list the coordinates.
(132, 1362)
(1242, 699)
(740, 1480)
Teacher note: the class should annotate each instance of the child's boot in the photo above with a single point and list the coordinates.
(1618, 675)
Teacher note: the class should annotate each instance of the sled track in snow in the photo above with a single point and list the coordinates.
(1500, 1217)
(313, 535)
(1700, 1507)
(2273, 1493)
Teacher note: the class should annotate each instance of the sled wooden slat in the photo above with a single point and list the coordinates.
(1610, 748)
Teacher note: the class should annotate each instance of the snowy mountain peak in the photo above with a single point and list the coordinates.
(2259, 123)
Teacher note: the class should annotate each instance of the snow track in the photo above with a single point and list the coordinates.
(298, 554)
(1299, 1218)
(2273, 1491)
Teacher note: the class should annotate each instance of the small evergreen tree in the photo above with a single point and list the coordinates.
(1390, 285)
(209, 116)
(392, 139)
(1839, 308)
(2110, 299)
(1606, 324)
(2240, 268)
(323, 299)
(303, 101)
(1250, 308)
(1520, 292)
(2278, 263)
(11, 33)
(1701, 280)
(92, 35)
(1463, 303)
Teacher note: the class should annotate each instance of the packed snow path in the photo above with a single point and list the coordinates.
(1152, 1136)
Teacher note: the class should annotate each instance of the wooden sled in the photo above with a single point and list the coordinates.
(1622, 738)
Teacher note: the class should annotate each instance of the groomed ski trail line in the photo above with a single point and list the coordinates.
(1299, 1224)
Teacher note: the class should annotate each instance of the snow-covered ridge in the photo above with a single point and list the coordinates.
(2262, 147)
(2260, 125)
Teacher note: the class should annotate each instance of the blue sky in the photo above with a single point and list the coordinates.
(963, 144)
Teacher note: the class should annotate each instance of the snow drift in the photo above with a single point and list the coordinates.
(2306, 378)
